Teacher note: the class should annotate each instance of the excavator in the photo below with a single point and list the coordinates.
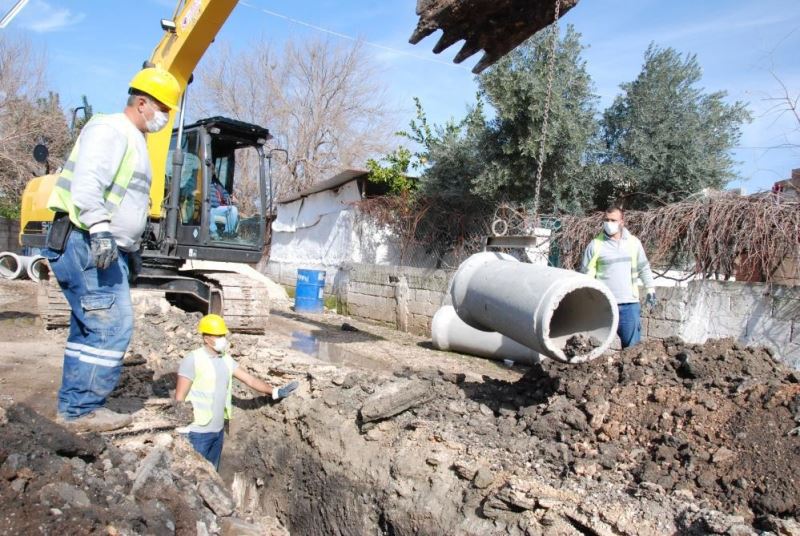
(187, 158)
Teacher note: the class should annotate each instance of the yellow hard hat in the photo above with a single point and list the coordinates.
(159, 84)
(212, 325)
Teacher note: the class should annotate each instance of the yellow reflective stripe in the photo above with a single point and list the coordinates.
(592, 269)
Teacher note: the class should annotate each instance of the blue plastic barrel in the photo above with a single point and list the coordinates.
(308, 294)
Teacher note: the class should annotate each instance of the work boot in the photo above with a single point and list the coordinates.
(99, 420)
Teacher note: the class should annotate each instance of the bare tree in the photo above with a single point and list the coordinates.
(28, 115)
(323, 102)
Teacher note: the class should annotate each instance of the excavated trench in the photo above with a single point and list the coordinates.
(385, 436)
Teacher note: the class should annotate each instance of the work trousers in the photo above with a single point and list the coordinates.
(231, 215)
(629, 328)
(209, 445)
(100, 327)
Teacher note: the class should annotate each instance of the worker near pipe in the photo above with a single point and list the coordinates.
(205, 378)
(617, 258)
(101, 200)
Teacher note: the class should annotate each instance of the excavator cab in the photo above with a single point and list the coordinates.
(222, 194)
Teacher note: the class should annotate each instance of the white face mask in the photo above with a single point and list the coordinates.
(611, 227)
(220, 344)
(157, 122)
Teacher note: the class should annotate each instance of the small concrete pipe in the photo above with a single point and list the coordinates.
(449, 332)
(538, 306)
(13, 266)
(37, 268)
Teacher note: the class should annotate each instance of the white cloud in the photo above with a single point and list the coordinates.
(42, 17)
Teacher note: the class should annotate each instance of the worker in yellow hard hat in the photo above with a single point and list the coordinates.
(205, 377)
(101, 200)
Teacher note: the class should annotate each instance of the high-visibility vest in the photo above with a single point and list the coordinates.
(60, 199)
(595, 268)
(201, 394)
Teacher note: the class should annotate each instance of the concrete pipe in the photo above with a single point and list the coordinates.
(38, 268)
(449, 332)
(13, 266)
(561, 314)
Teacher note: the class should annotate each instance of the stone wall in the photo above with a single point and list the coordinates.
(9, 235)
(398, 296)
(753, 313)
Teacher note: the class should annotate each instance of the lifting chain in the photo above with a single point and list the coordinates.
(551, 64)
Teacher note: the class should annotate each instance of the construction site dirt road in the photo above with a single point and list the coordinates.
(387, 436)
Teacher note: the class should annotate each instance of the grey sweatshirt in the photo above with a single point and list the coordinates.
(614, 266)
(102, 146)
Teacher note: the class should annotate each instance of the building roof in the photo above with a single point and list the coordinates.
(341, 178)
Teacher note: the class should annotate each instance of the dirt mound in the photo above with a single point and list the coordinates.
(714, 419)
(689, 439)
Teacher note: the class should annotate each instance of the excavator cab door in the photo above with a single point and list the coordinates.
(223, 188)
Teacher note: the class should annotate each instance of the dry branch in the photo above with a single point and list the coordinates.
(722, 235)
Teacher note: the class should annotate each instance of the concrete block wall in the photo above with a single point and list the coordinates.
(753, 313)
(398, 296)
(9, 235)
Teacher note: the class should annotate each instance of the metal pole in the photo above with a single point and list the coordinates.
(175, 187)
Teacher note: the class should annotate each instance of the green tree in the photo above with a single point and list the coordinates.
(395, 173)
(479, 162)
(516, 88)
(664, 137)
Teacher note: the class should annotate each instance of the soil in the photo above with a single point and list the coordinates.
(387, 436)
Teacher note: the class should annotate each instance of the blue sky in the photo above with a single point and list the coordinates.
(95, 46)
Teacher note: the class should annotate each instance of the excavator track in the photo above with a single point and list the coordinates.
(54, 309)
(244, 302)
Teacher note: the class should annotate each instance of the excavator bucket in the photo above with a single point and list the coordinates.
(494, 26)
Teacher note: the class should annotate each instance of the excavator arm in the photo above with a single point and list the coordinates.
(186, 38)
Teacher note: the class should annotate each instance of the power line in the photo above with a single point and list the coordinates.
(351, 38)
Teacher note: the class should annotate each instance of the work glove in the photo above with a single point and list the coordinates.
(134, 265)
(104, 249)
(284, 391)
(650, 300)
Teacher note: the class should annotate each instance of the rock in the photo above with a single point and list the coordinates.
(464, 470)
(395, 398)
(61, 493)
(3, 417)
(233, 526)
(483, 477)
(152, 470)
(722, 455)
(216, 497)
(597, 411)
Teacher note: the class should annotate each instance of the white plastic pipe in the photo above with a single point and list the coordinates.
(37, 268)
(537, 306)
(13, 266)
(449, 332)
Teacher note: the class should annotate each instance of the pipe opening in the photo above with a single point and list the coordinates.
(38, 269)
(10, 266)
(584, 311)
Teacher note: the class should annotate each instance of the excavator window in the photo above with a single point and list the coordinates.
(191, 193)
(235, 211)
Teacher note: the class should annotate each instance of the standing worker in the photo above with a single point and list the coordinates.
(617, 258)
(205, 378)
(101, 201)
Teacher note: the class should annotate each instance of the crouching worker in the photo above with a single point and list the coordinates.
(205, 378)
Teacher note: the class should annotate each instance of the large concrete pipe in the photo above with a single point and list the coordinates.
(561, 314)
(13, 266)
(37, 268)
(449, 332)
